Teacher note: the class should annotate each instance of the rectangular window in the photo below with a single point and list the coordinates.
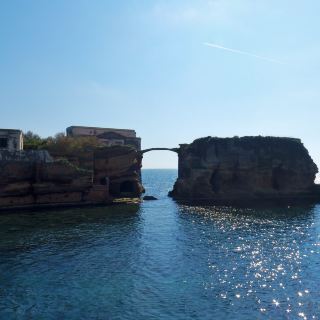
(117, 142)
(3, 143)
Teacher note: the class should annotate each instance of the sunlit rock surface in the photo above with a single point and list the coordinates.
(228, 170)
(35, 179)
(121, 165)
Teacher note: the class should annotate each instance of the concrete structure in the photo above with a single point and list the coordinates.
(107, 136)
(11, 140)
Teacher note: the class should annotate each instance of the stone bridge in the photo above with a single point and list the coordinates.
(159, 149)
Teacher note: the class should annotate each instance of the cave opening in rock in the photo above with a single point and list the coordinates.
(127, 187)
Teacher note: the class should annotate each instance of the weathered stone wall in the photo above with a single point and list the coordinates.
(118, 166)
(121, 166)
(32, 183)
(25, 155)
(234, 169)
(94, 176)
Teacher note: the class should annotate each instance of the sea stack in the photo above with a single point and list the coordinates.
(232, 170)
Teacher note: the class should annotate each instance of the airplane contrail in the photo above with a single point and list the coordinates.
(213, 45)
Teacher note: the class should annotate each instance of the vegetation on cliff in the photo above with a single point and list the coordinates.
(59, 143)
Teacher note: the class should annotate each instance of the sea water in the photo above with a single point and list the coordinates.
(161, 260)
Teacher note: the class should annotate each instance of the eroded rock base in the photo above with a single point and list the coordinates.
(30, 179)
(242, 170)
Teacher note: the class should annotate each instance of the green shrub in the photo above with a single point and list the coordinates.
(60, 143)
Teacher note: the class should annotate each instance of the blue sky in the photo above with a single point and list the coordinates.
(143, 65)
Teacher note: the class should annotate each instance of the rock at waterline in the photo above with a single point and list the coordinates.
(237, 170)
(149, 198)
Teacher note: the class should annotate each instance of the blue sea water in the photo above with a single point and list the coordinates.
(161, 260)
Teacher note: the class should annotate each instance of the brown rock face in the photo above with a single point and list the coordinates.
(29, 179)
(227, 170)
(117, 166)
(121, 166)
(31, 183)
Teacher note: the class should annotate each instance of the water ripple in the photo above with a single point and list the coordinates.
(161, 261)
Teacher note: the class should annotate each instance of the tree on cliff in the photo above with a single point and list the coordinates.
(60, 144)
(32, 140)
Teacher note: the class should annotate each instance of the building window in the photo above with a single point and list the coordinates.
(3, 143)
(117, 142)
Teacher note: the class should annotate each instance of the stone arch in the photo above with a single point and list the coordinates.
(142, 152)
(176, 150)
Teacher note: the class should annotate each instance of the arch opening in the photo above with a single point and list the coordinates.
(155, 158)
(159, 172)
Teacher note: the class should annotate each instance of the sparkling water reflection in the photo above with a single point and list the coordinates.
(161, 260)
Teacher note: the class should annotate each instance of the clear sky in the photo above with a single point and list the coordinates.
(143, 64)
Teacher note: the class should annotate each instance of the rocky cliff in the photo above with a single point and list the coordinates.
(229, 170)
(35, 184)
(117, 166)
(97, 176)
(121, 166)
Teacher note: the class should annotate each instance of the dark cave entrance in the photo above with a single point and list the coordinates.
(127, 187)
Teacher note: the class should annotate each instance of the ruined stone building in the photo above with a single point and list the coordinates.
(11, 139)
(107, 136)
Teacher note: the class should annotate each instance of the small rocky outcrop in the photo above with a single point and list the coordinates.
(229, 170)
(149, 198)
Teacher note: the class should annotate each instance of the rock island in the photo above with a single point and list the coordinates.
(98, 166)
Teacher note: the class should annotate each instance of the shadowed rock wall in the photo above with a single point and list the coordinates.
(118, 166)
(121, 165)
(227, 170)
(29, 183)
(34, 178)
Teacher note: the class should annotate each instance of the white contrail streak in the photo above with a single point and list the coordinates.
(213, 45)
